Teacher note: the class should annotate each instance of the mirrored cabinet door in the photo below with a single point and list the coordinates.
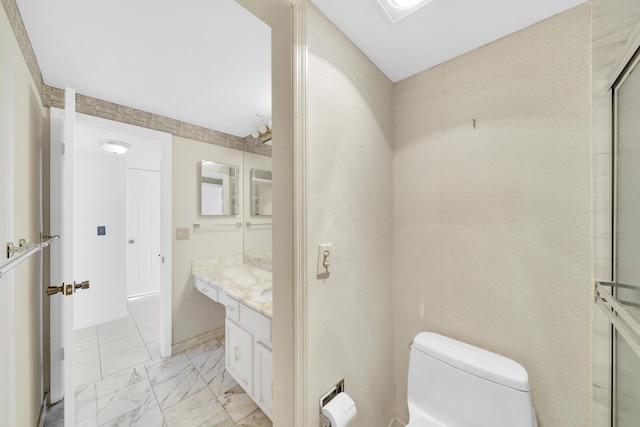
(219, 188)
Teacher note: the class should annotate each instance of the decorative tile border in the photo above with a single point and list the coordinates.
(19, 30)
(255, 146)
(54, 97)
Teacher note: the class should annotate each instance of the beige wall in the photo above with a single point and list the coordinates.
(613, 22)
(20, 152)
(348, 172)
(194, 314)
(492, 224)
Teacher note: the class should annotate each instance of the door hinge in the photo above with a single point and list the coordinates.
(62, 353)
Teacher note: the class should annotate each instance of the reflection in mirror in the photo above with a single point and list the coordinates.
(261, 194)
(218, 189)
(256, 175)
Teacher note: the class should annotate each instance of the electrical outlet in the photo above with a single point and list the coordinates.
(324, 260)
(182, 234)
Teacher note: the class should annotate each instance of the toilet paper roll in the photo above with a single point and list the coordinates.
(340, 410)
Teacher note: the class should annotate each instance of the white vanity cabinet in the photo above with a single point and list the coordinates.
(239, 355)
(248, 354)
(208, 290)
(249, 357)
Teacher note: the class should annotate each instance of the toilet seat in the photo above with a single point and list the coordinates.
(424, 422)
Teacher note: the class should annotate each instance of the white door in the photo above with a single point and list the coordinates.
(143, 232)
(62, 183)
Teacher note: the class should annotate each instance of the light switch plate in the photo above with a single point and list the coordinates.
(182, 234)
(324, 271)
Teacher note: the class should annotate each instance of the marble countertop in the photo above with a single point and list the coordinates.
(241, 281)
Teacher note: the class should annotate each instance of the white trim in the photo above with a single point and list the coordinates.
(43, 411)
(630, 48)
(166, 265)
(299, 214)
(55, 306)
(67, 244)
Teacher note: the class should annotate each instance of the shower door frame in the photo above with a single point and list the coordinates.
(629, 62)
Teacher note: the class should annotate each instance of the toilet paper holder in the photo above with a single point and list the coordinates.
(326, 398)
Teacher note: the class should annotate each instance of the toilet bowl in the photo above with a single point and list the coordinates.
(454, 384)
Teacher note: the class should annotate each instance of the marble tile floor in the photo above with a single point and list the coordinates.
(121, 380)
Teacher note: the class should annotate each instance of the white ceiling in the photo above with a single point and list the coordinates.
(439, 31)
(207, 62)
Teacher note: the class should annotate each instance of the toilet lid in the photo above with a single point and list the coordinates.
(423, 422)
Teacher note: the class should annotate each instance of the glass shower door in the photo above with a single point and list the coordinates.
(626, 361)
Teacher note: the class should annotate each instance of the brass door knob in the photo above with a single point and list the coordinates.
(52, 290)
(81, 285)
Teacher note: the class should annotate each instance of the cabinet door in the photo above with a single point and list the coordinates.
(239, 355)
(263, 380)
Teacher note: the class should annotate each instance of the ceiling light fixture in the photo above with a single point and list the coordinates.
(263, 132)
(405, 4)
(114, 147)
(398, 9)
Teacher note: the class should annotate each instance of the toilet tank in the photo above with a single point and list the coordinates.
(454, 384)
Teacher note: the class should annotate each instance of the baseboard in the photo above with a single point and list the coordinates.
(396, 423)
(148, 294)
(195, 341)
(101, 321)
(43, 410)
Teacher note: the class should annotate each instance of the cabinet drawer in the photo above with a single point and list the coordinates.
(255, 322)
(232, 305)
(206, 289)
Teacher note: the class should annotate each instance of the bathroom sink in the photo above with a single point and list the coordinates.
(267, 295)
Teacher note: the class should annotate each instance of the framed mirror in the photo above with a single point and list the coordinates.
(261, 193)
(218, 188)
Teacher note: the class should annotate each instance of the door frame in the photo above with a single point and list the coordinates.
(165, 215)
(165, 139)
(287, 19)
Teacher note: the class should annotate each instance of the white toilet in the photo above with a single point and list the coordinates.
(453, 384)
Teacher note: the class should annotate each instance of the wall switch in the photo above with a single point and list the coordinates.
(102, 230)
(182, 234)
(324, 260)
